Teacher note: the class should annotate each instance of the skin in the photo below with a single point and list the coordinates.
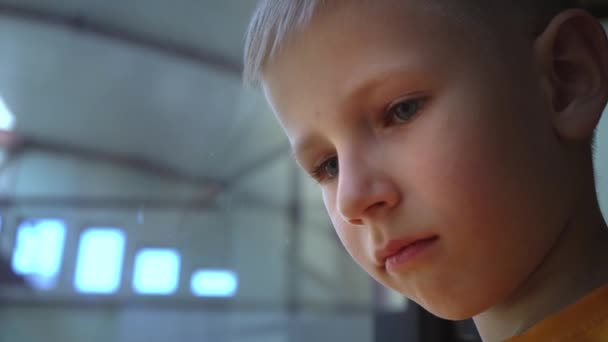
(495, 162)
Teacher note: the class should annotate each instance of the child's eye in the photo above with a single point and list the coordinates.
(327, 170)
(403, 111)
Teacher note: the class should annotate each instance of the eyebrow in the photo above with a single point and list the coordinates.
(378, 75)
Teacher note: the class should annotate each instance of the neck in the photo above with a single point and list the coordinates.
(574, 267)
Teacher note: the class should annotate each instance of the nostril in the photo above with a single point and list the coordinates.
(356, 222)
(378, 205)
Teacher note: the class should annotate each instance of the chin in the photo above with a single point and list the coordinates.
(453, 315)
(453, 311)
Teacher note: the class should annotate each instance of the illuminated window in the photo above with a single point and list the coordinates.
(99, 263)
(7, 119)
(156, 271)
(38, 251)
(214, 283)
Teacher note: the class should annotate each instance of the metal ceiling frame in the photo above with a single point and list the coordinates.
(81, 24)
(17, 145)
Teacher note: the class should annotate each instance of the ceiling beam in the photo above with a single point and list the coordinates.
(205, 202)
(82, 24)
(17, 145)
(28, 144)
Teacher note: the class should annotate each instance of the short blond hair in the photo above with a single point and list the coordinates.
(274, 21)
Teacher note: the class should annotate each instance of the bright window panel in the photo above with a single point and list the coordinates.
(214, 283)
(38, 251)
(7, 119)
(156, 272)
(100, 259)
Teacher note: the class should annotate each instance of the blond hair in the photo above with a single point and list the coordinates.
(275, 21)
(272, 22)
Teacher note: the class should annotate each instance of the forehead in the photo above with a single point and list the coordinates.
(368, 31)
(355, 48)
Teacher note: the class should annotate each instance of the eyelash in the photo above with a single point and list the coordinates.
(318, 172)
(389, 117)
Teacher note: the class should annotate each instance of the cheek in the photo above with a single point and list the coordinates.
(486, 181)
(481, 162)
(493, 199)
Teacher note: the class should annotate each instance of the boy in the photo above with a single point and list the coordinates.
(452, 144)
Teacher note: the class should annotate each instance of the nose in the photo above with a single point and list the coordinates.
(364, 191)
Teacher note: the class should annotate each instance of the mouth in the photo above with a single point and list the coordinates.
(400, 253)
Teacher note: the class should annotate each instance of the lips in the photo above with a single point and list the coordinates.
(394, 247)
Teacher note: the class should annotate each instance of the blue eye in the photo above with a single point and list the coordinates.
(403, 111)
(330, 167)
(326, 170)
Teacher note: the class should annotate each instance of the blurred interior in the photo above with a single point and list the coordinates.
(145, 195)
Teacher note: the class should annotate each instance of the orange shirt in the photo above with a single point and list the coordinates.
(584, 321)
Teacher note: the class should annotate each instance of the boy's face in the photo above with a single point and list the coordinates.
(435, 134)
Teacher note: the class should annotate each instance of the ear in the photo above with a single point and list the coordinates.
(573, 53)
